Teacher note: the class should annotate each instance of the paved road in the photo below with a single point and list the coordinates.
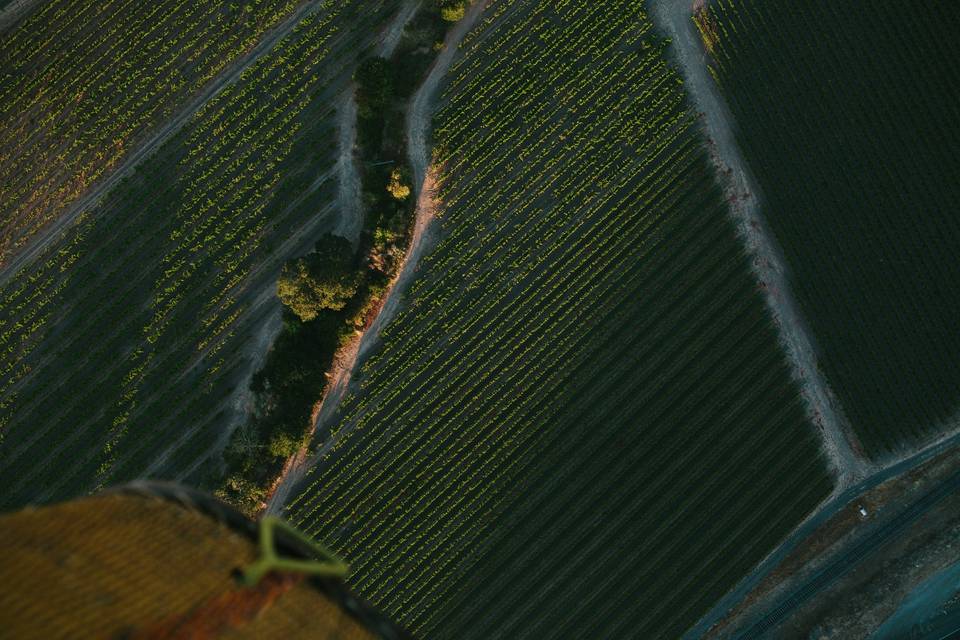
(839, 567)
(940, 629)
(827, 511)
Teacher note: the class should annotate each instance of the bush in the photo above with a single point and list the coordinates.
(324, 279)
(452, 10)
(374, 78)
(398, 187)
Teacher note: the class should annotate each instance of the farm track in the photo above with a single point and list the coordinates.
(346, 171)
(255, 297)
(349, 204)
(493, 376)
(424, 236)
(256, 350)
(43, 239)
(840, 443)
(16, 11)
(860, 474)
(133, 284)
(351, 219)
(197, 358)
(261, 294)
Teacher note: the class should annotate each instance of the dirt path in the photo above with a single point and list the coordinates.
(349, 219)
(421, 111)
(43, 239)
(256, 350)
(16, 11)
(348, 197)
(419, 116)
(394, 31)
(839, 442)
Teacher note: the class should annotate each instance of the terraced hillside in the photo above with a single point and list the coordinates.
(123, 345)
(582, 424)
(853, 146)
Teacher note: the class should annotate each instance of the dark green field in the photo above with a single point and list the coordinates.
(847, 114)
(125, 344)
(582, 425)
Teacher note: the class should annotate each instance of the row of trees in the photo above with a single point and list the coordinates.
(330, 294)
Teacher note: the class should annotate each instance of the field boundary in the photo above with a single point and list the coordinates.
(840, 444)
(424, 236)
(51, 233)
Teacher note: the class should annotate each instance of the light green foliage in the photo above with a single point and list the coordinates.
(321, 280)
(452, 10)
(397, 186)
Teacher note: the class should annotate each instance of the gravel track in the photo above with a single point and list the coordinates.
(840, 444)
(419, 114)
(349, 201)
(349, 205)
(16, 11)
(855, 474)
(241, 402)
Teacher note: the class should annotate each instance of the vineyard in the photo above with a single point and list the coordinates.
(82, 82)
(853, 146)
(124, 344)
(581, 423)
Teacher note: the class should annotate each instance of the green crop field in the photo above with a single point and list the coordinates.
(847, 115)
(581, 424)
(123, 343)
(82, 81)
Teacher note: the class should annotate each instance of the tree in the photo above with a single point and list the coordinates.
(320, 280)
(283, 445)
(397, 186)
(374, 78)
(452, 10)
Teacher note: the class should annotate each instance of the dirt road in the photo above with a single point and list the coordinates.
(421, 105)
(673, 17)
(418, 121)
(348, 196)
(350, 218)
(16, 11)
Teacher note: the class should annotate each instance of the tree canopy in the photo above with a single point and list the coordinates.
(374, 78)
(324, 279)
